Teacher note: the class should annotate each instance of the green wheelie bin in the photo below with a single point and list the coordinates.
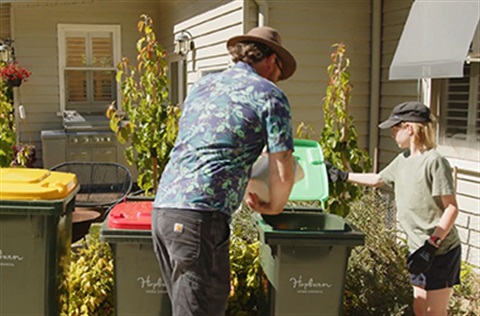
(139, 286)
(35, 235)
(303, 251)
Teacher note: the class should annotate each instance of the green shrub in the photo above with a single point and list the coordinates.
(246, 273)
(376, 279)
(466, 297)
(90, 281)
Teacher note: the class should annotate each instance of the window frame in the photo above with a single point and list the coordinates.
(468, 148)
(178, 80)
(62, 30)
(463, 149)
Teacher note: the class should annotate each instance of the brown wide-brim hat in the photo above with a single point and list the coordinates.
(270, 37)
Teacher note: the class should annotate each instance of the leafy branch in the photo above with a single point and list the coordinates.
(7, 126)
(339, 137)
(150, 122)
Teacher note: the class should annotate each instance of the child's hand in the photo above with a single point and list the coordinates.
(334, 174)
(421, 260)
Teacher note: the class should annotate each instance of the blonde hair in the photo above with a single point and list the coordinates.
(424, 133)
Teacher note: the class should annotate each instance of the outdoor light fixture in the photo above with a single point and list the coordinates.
(183, 43)
(6, 50)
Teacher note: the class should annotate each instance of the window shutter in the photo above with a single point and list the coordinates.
(456, 114)
(461, 118)
(5, 20)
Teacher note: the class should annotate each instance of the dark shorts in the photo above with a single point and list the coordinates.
(193, 251)
(444, 273)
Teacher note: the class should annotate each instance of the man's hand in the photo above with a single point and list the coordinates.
(254, 202)
(421, 260)
(335, 174)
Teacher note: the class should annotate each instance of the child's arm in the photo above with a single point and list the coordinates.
(448, 218)
(370, 179)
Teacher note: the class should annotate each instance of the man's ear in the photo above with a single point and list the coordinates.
(271, 60)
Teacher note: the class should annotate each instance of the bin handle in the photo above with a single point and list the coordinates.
(61, 187)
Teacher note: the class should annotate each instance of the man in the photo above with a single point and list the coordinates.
(227, 120)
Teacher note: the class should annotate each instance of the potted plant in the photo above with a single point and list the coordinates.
(13, 74)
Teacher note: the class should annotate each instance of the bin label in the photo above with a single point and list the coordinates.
(9, 260)
(151, 287)
(308, 287)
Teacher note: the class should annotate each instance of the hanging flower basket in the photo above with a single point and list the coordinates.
(13, 74)
(14, 82)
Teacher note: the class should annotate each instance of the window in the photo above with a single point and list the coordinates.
(461, 107)
(88, 56)
(178, 79)
(459, 133)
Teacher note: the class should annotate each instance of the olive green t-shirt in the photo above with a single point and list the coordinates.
(419, 182)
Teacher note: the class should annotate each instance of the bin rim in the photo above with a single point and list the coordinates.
(118, 235)
(349, 235)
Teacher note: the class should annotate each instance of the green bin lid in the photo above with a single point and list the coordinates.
(35, 184)
(314, 185)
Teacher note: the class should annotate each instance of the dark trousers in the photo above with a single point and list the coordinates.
(193, 251)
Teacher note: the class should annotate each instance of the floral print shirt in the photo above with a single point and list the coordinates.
(227, 120)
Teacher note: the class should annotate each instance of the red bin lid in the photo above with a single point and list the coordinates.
(131, 215)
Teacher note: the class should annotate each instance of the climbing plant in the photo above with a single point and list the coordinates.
(150, 123)
(339, 137)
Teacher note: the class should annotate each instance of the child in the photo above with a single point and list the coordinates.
(426, 206)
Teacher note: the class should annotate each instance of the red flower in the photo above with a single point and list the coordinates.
(12, 71)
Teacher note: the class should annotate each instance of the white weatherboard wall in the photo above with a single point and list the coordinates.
(309, 29)
(394, 15)
(211, 24)
(5, 20)
(34, 28)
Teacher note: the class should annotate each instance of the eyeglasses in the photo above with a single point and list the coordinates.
(278, 65)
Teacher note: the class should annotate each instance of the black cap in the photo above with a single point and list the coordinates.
(411, 111)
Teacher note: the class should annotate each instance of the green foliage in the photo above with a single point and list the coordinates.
(246, 273)
(377, 281)
(25, 156)
(339, 137)
(152, 124)
(7, 130)
(90, 280)
(465, 300)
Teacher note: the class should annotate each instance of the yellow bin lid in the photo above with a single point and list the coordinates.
(35, 184)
